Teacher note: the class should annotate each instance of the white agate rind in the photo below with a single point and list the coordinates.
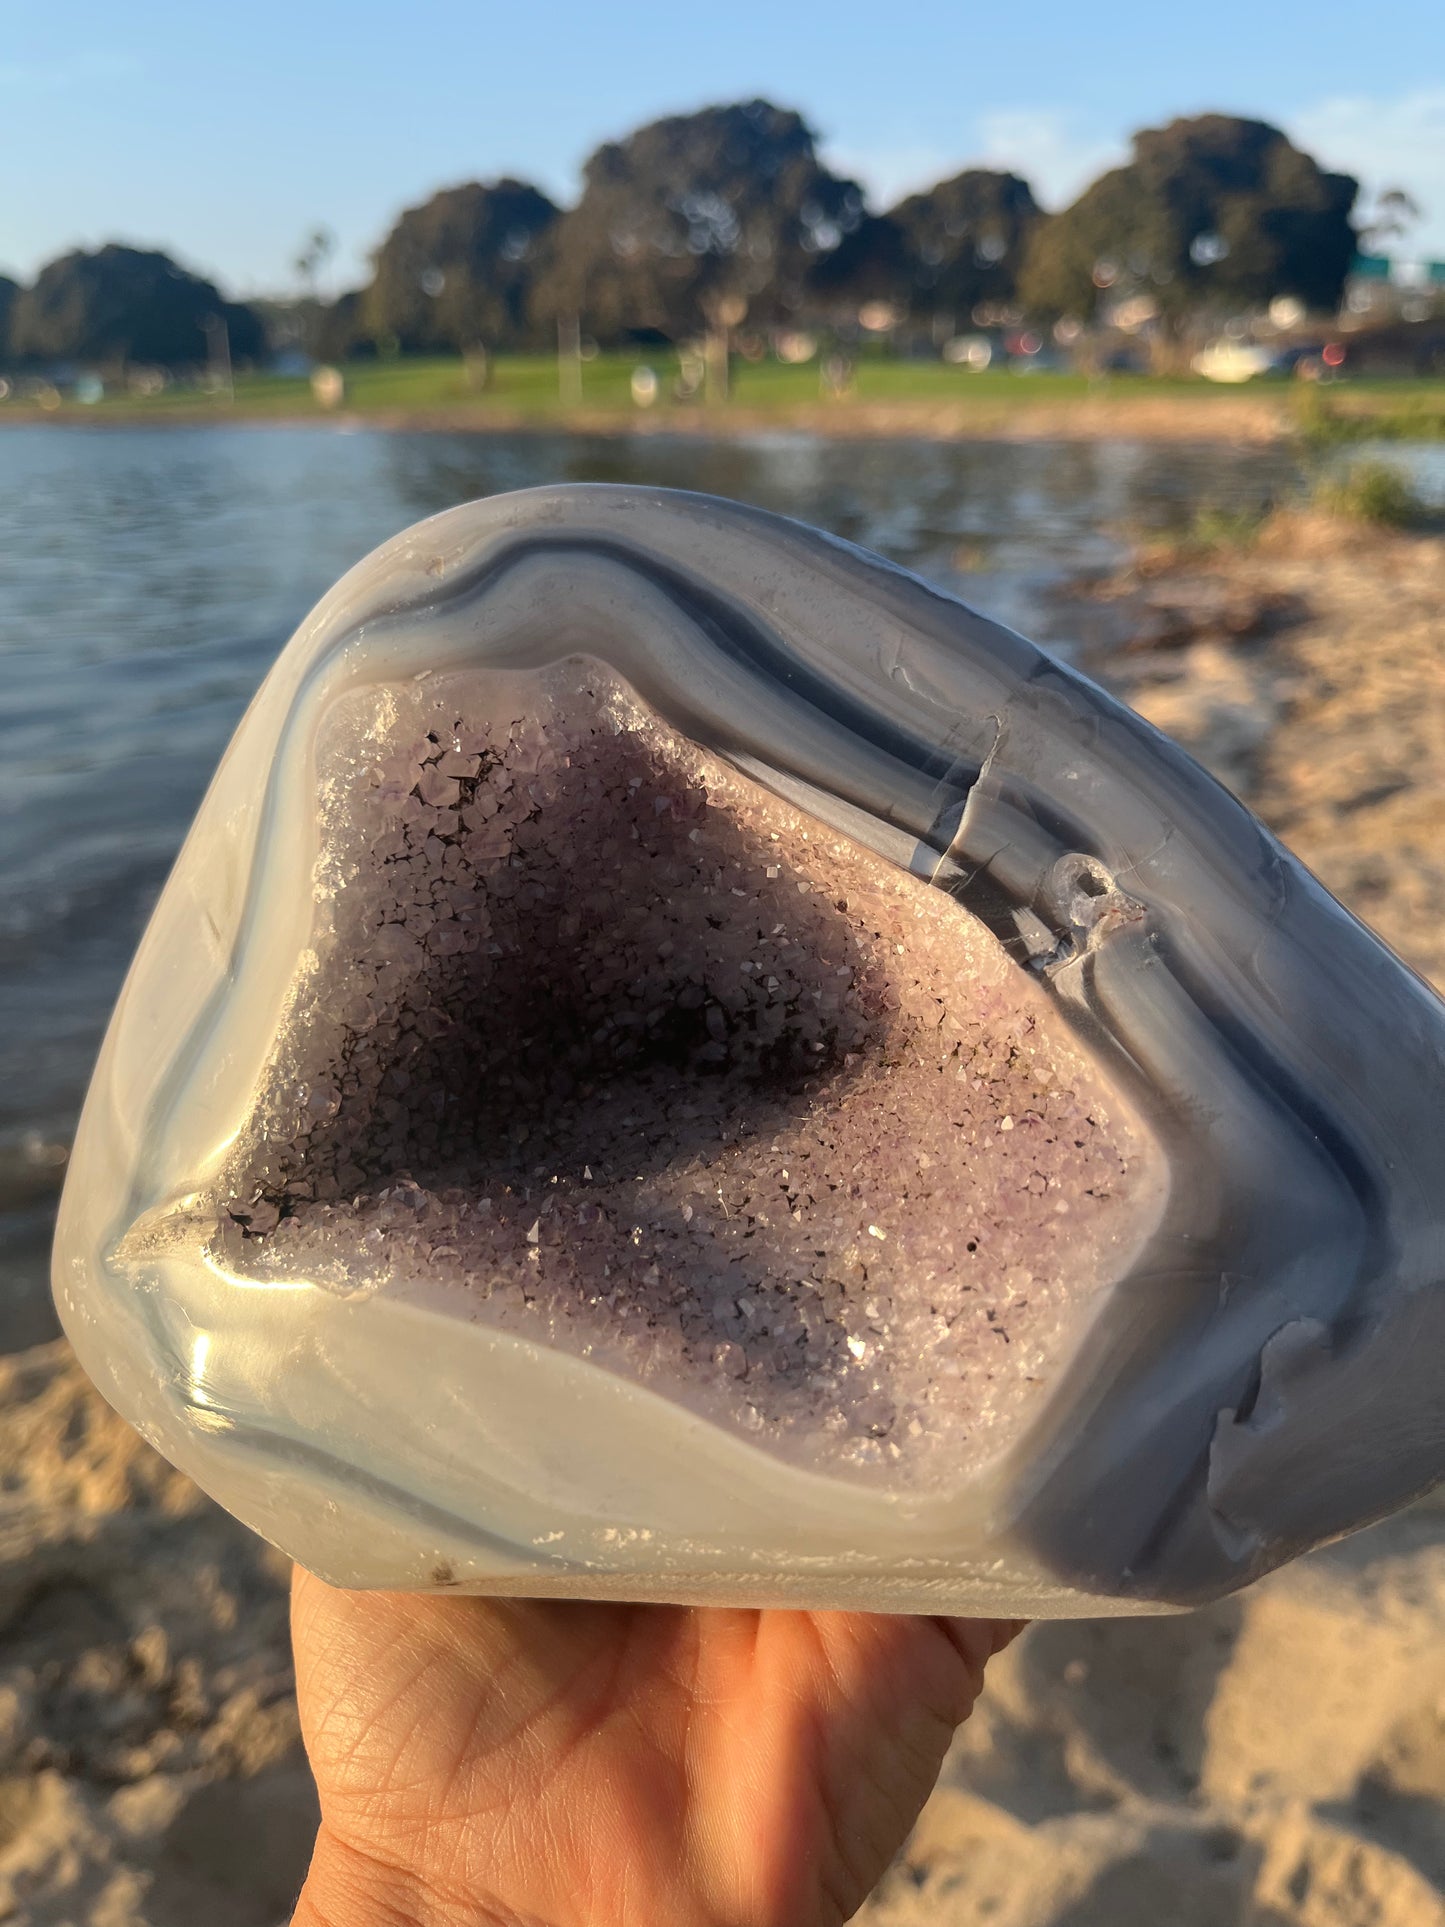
(1265, 1376)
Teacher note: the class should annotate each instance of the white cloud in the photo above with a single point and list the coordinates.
(887, 174)
(1396, 142)
(1043, 146)
(1048, 150)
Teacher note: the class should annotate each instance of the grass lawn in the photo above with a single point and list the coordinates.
(525, 388)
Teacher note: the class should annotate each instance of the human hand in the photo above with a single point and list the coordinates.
(519, 1763)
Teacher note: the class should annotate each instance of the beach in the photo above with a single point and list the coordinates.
(1275, 1761)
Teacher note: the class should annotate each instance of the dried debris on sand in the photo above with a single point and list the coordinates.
(1278, 1759)
(1307, 670)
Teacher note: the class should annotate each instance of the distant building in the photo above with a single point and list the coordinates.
(1380, 288)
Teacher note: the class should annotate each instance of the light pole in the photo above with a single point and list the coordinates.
(569, 359)
(724, 312)
(218, 352)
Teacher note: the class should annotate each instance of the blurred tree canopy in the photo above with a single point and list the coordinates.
(964, 239)
(870, 264)
(728, 215)
(702, 217)
(456, 271)
(8, 291)
(338, 330)
(121, 305)
(1210, 212)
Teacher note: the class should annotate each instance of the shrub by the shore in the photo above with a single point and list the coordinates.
(1371, 492)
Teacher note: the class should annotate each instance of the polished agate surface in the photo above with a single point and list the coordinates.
(678, 1062)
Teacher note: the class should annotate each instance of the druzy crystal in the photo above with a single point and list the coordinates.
(678, 1062)
(617, 1052)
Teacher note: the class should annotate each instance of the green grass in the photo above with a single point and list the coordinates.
(1371, 492)
(525, 387)
(528, 384)
(1215, 530)
(1399, 410)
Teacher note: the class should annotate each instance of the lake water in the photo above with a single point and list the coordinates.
(148, 578)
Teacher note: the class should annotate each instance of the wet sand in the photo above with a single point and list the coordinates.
(1278, 1760)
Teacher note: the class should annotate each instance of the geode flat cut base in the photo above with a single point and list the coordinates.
(677, 1062)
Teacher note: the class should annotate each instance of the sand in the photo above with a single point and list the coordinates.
(1279, 1758)
(150, 1769)
(1275, 1761)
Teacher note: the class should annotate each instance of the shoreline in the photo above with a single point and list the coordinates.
(885, 397)
(1235, 421)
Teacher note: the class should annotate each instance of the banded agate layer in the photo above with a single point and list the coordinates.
(678, 1062)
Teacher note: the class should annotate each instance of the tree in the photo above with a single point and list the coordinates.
(1210, 213)
(872, 264)
(339, 332)
(9, 290)
(457, 271)
(122, 305)
(1395, 212)
(315, 251)
(695, 219)
(964, 239)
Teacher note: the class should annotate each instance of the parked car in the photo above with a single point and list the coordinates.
(1234, 361)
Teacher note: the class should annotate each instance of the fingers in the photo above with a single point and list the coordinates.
(977, 1641)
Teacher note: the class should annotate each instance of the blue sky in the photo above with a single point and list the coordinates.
(225, 132)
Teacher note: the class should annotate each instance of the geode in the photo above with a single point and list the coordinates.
(678, 1062)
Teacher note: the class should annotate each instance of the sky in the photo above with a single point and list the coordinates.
(226, 133)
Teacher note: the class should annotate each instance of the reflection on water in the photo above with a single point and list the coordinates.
(1007, 514)
(1423, 464)
(147, 579)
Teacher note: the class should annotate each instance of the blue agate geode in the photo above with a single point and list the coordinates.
(679, 1062)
